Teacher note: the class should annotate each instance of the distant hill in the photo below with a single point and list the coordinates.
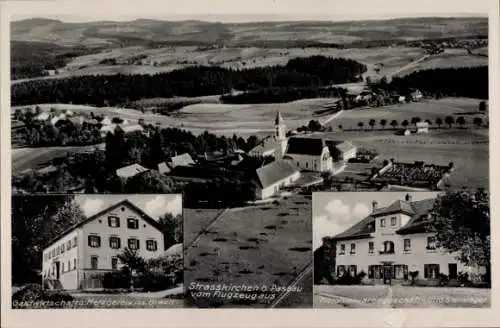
(193, 32)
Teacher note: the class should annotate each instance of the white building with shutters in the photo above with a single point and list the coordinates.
(80, 256)
(392, 242)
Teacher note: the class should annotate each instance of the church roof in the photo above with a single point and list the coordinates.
(305, 146)
(275, 172)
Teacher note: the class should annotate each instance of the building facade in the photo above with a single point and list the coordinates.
(392, 243)
(272, 177)
(79, 258)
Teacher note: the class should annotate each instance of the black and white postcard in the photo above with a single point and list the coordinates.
(170, 157)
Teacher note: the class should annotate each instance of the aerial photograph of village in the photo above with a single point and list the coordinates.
(247, 119)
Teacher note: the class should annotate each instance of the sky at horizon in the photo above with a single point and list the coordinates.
(238, 11)
(153, 205)
(334, 212)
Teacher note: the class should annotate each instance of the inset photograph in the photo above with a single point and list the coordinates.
(97, 251)
(255, 256)
(402, 250)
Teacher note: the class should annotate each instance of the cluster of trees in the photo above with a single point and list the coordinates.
(448, 120)
(282, 95)
(41, 134)
(36, 221)
(97, 171)
(454, 82)
(311, 72)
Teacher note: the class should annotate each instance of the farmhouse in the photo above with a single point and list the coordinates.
(181, 160)
(345, 149)
(392, 242)
(422, 127)
(274, 176)
(130, 128)
(163, 168)
(130, 171)
(81, 256)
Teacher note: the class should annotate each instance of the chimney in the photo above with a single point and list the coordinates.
(408, 197)
(374, 205)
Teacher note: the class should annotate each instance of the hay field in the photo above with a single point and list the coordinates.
(264, 245)
(427, 109)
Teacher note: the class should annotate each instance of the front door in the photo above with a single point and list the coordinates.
(452, 270)
(387, 274)
(57, 270)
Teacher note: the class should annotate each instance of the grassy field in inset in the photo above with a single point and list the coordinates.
(262, 245)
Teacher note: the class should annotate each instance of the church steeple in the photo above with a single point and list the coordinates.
(279, 127)
(280, 133)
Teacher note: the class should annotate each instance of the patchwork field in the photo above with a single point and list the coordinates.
(244, 120)
(265, 245)
(428, 109)
(448, 59)
(35, 158)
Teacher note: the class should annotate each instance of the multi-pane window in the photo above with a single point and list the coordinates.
(401, 271)
(393, 221)
(94, 241)
(113, 221)
(114, 263)
(133, 243)
(353, 249)
(431, 271)
(375, 272)
(388, 247)
(340, 271)
(431, 243)
(382, 222)
(151, 245)
(342, 249)
(114, 242)
(352, 270)
(407, 245)
(94, 262)
(371, 247)
(68, 245)
(132, 223)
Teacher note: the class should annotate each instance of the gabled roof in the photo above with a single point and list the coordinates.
(124, 202)
(174, 250)
(163, 168)
(345, 146)
(130, 171)
(269, 144)
(417, 223)
(305, 146)
(181, 160)
(275, 172)
(128, 128)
